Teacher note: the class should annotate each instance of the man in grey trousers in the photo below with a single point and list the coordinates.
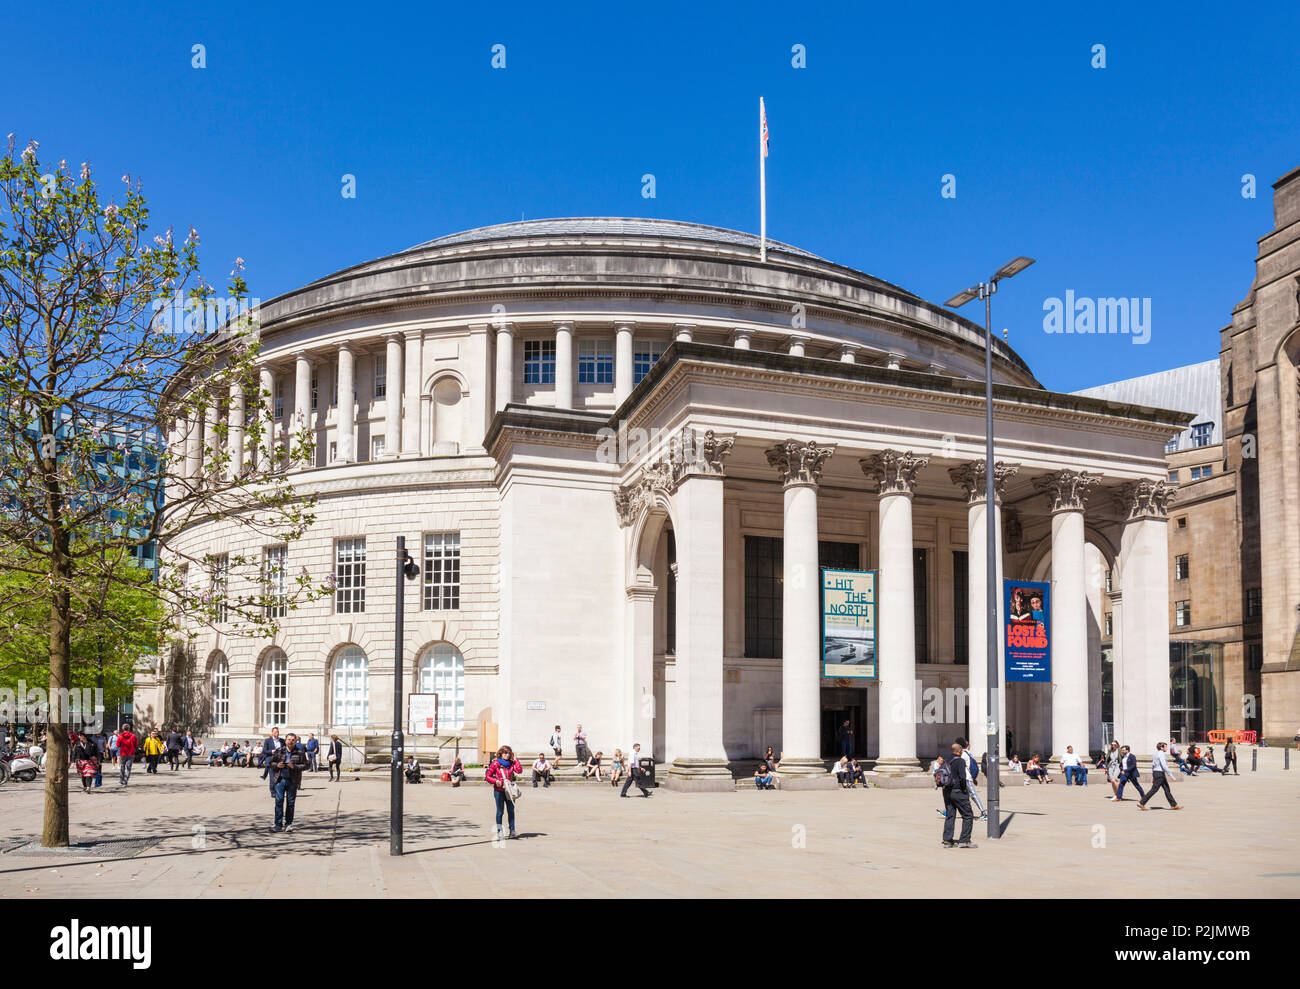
(1160, 779)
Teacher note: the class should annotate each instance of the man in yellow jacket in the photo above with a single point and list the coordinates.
(153, 750)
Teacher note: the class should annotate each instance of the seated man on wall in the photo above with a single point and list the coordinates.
(1073, 767)
(542, 770)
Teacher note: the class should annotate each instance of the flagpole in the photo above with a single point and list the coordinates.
(762, 188)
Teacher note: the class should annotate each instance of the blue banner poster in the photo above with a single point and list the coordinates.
(849, 623)
(1027, 631)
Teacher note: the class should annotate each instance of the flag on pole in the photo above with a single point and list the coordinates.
(762, 180)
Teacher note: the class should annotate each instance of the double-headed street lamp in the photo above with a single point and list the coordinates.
(408, 569)
(985, 290)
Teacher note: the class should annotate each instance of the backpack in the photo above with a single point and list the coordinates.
(944, 775)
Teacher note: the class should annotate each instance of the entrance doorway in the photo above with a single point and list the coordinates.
(838, 706)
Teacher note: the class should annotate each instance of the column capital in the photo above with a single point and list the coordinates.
(684, 332)
(741, 333)
(970, 478)
(1066, 490)
(475, 329)
(1146, 499)
(795, 343)
(798, 462)
(397, 336)
(625, 324)
(894, 360)
(563, 324)
(504, 327)
(304, 355)
(689, 454)
(849, 353)
(893, 472)
(347, 345)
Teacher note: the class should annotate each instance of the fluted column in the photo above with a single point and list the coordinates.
(505, 365)
(1143, 677)
(799, 465)
(1067, 496)
(394, 398)
(622, 362)
(970, 477)
(235, 427)
(564, 364)
(266, 417)
(347, 420)
(894, 477)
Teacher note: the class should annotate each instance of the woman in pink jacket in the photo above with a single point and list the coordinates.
(504, 767)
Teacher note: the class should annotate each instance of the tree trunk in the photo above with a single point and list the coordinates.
(54, 833)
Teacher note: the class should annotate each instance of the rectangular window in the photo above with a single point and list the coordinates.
(921, 603)
(441, 571)
(350, 576)
(764, 573)
(595, 362)
(1202, 434)
(220, 586)
(1109, 625)
(315, 384)
(1173, 477)
(1182, 524)
(1108, 579)
(334, 386)
(279, 398)
(1255, 655)
(1254, 602)
(670, 597)
(1180, 567)
(1172, 446)
(376, 448)
(334, 451)
(381, 376)
(644, 355)
(1183, 614)
(275, 579)
(539, 362)
(960, 607)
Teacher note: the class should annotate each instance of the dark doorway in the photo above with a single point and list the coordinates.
(840, 705)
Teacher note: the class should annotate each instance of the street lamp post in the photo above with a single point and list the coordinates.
(985, 290)
(406, 569)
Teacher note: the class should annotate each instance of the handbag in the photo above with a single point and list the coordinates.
(511, 788)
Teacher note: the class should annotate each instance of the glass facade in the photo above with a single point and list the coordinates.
(1195, 687)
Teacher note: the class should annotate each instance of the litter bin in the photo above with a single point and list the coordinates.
(648, 771)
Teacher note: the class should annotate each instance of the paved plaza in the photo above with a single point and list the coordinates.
(204, 833)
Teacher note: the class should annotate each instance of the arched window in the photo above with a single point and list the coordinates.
(275, 689)
(351, 687)
(442, 672)
(220, 691)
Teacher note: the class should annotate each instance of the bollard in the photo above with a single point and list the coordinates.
(1286, 758)
(1254, 757)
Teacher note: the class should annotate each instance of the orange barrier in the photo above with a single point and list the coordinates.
(1238, 735)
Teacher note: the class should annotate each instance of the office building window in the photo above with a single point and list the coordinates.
(275, 579)
(350, 576)
(1182, 524)
(1108, 582)
(1255, 655)
(221, 586)
(315, 380)
(220, 691)
(376, 448)
(275, 690)
(1183, 614)
(442, 672)
(381, 376)
(1202, 434)
(441, 571)
(351, 687)
(921, 603)
(1172, 445)
(644, 355)
(1173, 477)
(1180, 567)
(595, 362)
(1254, 602)
(1109, 622)
(279, 398)
(539, 362)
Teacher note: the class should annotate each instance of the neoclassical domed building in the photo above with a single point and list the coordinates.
(516, 401)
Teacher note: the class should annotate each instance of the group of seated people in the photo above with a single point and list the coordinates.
(230, 754)
(1033, 769)
(1198, 758)
(544, 769)
(848, 773)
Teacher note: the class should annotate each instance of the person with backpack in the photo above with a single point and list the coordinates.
(501, 773)
(972, 775)
(954, 781)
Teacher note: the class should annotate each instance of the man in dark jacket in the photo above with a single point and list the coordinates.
(956, 800)
(174, 742)
(270, 746)
(1128, 773)
(285, 766)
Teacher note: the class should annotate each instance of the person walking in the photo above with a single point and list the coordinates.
(153, 750)
(101, 747)
(126, 752)
(86, 758)
(285, 765)
(953, 779)
(634, 772)
(175, 742)
(972, 776)
(1128, 773)
(112, 747)
(1113, 768)
(188, 745)
(313, 750)
(270, 746)
(501, 773)
(1230, 757)
(557, 745)
(1160, 779)
(334, 757)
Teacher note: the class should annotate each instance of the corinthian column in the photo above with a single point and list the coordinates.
(1143, 676)
(894, 476)
(799, 465)
(1067, 495)
(971, 478)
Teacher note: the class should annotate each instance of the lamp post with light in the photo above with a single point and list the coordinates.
(407, 569)
(985, 290)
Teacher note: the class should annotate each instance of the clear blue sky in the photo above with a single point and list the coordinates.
(1120, 181)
